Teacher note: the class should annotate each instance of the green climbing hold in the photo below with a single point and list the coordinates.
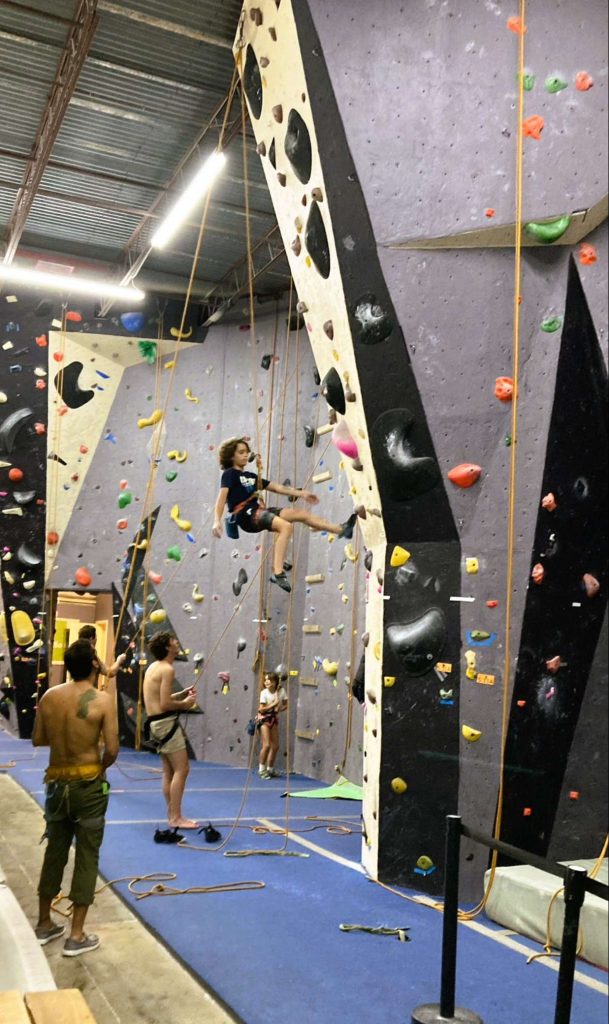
(509, 440)
(555, 84)
(548, 231)
(174, 554)
(171, 476)
(125, 498)
(528, 81)
(148, 350)
(480, 634)
(552, 324)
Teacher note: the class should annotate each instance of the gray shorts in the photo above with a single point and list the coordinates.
(158, 730)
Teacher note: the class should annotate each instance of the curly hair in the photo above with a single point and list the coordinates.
(159, 644)
(228, 448)
(273, 676)
(87, 633)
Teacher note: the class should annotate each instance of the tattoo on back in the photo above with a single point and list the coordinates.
(83, 704)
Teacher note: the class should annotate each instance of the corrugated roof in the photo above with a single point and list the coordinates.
(150, 84)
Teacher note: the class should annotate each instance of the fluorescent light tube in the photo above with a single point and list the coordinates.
(66, 282)
(199, 186)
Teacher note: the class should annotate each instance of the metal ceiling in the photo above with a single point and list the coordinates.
(100, 153)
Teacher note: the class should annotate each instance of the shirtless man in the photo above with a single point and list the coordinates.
(90, 633)
(71, 720)
(163, 708)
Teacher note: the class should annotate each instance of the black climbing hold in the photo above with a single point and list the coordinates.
(53, 457)
(316, 377)
(368, 557)
(316, 240)
(11, 427)
(282, 179)
(419, 644)
(372, 323)
(332, 390)
(273, 154)
(66, 382)
(252, 83)
(266, 362)
(298, 147)
(28, 557)
(406, 474)
(309, 436)
(240, 582)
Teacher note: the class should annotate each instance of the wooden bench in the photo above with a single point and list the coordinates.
(64, 1006)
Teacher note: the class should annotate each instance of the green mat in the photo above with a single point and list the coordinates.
(341, 790)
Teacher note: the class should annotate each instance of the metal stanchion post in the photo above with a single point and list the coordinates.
(575, 893)
(445, 1012)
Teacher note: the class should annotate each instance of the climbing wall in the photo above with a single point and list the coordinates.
(401, 220)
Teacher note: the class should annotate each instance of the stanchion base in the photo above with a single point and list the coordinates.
(430, 1014)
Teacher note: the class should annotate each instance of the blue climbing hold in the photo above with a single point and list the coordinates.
(133, 321)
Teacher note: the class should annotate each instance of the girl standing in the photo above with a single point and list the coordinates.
(273, 702)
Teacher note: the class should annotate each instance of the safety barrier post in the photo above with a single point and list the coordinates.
(445, 1012)
(575, 894)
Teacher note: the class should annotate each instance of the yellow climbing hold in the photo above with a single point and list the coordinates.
(399, 557)
(471, 735)
(425, 863)
(472, 566)
(182, 524)
(23, 629)
(330, 667)
(399, 786)
(151, 421)
(191, 397)
(176, 456)
(142, 546)
(470, 661)
(170, 365)
(180, 335)
(3, 629)
(350, 554)
(378, 649)
(158, 616)
(197, 595)
(389, 681)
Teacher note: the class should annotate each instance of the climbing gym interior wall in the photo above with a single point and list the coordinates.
(125, 454)
(391, 154)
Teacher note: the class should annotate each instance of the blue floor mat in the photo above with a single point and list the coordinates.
(277, 954)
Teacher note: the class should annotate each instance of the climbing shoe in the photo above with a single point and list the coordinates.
(348, 527)
(282, 581)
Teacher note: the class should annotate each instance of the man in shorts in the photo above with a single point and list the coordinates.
(240, 491)
(163, 708)
(71, 720)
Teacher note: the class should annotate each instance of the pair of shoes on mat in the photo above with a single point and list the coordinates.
(346, 532)
(264, 773)
(281, 580)
(45, 935)
(76, 947)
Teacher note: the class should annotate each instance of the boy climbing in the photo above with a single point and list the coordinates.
(240, 490)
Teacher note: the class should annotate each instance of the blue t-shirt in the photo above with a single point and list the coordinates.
(241, 485)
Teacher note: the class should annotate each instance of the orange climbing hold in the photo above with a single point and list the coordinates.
(490, 212)
(52, 538)
(504, 389)
(15, 475)
(583, 81)
(538, 574)
(533, 127)
(553, 665)
(83, 577)
(516, 25)
(587, 255)
(465, 475)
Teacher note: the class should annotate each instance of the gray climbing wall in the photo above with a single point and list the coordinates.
(226, 384)
(416, 105)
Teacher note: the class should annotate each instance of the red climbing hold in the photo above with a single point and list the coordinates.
(15, 475)
(83, 577)
(504, 389)
(465, 475)
(83, 449)
(522, 703)
(41, 341)
(58, 357)
(583, 81)
(591, 584)
(52, 538)
(492, 604)
(533, 127)
(549, 503)
(40, 428)
(538, 574)
(515, 24)
(73, 317)
(490, 212)
(587, 255)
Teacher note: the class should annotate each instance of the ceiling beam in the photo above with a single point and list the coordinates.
(164, 25)
(236, 282)
(75, 50)
(48, 15)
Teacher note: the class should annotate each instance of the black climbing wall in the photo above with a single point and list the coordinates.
(563, 616)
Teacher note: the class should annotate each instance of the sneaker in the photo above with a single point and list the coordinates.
(73, 947)
(263, 773)
(45, 935)
(347, 529)
(282, 581)
(273, 773)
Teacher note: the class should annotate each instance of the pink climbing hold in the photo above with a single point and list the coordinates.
(224, 677)
(591, 584)
(155, 577)
(583, 81)
(465, 475)
(538, 574)
(549, 503)
(341, 438)
(553, 665)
